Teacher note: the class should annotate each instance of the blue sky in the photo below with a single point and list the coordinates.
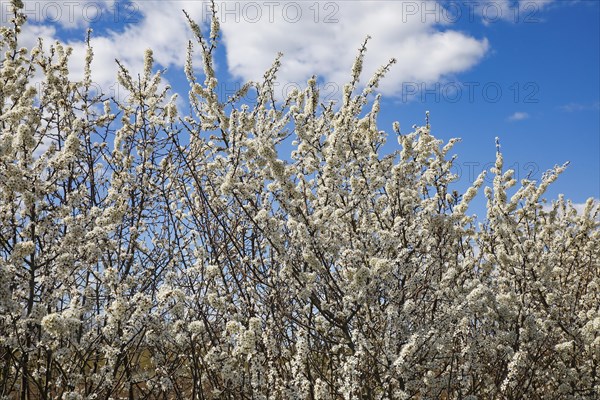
(527, 71)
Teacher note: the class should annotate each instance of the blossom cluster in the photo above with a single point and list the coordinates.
(145, 253)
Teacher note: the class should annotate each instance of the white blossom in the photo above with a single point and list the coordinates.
(181, 252)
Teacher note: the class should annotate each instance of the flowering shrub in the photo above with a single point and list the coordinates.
(149, 254)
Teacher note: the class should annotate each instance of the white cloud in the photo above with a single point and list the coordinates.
(425, 53)
(573, 107)
(319, 38)
(518, 116)
(307, 33)
(55, 20)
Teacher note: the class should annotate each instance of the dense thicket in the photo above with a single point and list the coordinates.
(150, 254)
